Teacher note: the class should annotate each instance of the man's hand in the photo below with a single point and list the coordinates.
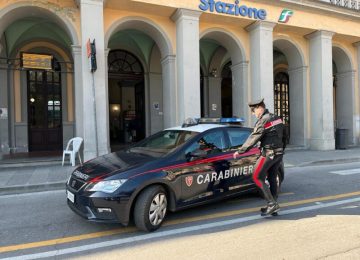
(236, 154)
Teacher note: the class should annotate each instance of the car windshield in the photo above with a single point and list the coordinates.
(162, 143)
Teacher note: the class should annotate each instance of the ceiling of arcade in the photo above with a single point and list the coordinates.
(32, 29)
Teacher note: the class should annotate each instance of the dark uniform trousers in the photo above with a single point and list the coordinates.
(266, 167)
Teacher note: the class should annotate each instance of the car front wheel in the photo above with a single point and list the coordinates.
(150, 208)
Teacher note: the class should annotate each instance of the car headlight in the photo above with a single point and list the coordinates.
(106, 186)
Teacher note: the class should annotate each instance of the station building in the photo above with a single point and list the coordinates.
(160, 62)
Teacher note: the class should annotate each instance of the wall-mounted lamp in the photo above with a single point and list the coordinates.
(213, 72)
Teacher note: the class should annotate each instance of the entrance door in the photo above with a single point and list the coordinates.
(226, 91)
(281, 100)
(126, 99)
(44, 110)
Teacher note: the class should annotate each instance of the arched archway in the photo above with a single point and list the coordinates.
(218, 47)
(344, 92)
(126, 98)
(41, 101)
(20, 10)
(148, 41)
(290, 98)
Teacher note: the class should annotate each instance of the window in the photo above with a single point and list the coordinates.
(212, 143)
(237, 137)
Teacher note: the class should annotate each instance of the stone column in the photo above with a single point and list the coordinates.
(106, 146)
(78, 88)
(188, 63)
(4, 122)
(357, 97)
(345, 105)
(96, 140)
(261, 65)
(298, 106)
(215, 97)
(206, 105)
(321, 91)
(240, 91)
(169, 91)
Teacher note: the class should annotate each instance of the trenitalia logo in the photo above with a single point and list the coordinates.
(285, 15)
(232, 9)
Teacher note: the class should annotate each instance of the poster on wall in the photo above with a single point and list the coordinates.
(3, 113)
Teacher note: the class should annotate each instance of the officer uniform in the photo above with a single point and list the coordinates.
(269, 131)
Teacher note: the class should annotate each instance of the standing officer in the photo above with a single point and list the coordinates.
(269, 131)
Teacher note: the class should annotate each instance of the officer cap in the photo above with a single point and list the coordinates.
(256, 102)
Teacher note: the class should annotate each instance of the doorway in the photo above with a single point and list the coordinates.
(44, 105)
(226, 91)
(281, 100)
(126, 99)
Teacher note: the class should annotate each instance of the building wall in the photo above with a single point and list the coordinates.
(156, 20)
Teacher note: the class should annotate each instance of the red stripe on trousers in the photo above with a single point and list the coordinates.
(257, 171)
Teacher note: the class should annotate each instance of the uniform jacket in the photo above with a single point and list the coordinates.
(268, 130)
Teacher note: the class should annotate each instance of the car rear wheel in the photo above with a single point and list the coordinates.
(150, 208)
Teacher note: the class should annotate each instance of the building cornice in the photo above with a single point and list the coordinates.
(319, 6)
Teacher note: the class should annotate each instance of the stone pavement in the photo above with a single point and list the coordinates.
(41, 174)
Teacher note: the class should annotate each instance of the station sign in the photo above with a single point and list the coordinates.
(235, 9)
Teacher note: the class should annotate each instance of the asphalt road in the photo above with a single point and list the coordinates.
(319, 219)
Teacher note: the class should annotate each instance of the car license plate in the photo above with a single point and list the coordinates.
(71, 196)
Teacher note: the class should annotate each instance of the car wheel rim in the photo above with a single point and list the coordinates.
(158, 209)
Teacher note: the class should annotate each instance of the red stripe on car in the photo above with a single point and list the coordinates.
(207, 160)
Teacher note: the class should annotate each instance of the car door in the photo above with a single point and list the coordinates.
(241, 168)
(200, 180)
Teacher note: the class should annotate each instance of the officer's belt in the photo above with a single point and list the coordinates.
(272, 151)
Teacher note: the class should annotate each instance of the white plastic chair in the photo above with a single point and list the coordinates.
(75, 143)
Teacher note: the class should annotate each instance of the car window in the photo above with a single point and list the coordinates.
(238, 137)
(211, 143)
(162, 143)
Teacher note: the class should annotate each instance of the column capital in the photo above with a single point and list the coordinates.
(240, 65)
(91, 2)
(297, 69)
(168, 59)
(185, 14)
(76, 49)
(321, 33)
(345, 74)
(264, 25)
(356, 44)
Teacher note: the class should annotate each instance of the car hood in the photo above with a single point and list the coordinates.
(109, 164)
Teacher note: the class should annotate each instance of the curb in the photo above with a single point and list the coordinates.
(332, 161)
(32, 188)
(29, 164)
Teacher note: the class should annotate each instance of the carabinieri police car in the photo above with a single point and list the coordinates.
(174, 169)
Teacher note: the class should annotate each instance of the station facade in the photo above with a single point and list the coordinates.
(160, 62)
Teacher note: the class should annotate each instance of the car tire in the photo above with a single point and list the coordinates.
(150, 208)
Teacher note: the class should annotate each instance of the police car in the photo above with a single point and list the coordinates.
(174, 169)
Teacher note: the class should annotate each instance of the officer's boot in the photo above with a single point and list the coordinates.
(269, 209)
(272, 209)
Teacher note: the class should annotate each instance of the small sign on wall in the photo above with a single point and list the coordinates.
(3, 113)
(156, 105)
(214, 107)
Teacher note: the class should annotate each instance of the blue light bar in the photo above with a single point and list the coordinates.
(232, 120)
(222, 120)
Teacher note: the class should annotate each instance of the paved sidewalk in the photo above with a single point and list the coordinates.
(41, 174)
